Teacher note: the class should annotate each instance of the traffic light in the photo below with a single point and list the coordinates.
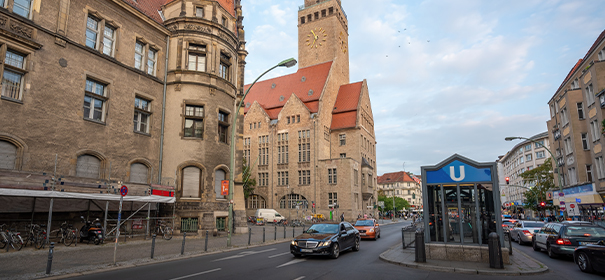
(542, 204)
(507, 180)
(313, 202)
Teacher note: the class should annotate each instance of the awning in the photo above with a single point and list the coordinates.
(86, 196)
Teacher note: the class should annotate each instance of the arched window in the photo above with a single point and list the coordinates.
(192, 180)
(88, 166)
(219, 175)
(8, 155)
(291, 200)
(138, 173)
(255, 201)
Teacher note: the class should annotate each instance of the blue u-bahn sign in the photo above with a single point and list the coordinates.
(458, 172)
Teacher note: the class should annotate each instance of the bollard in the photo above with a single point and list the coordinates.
(403, 238)
(152, 244)
(510, 245)
(183, 246)
(495, 251)
(263, 234)
(275, 233)
(51, 250)
(250, 234)
(303, 228)
(206, 245)
(77, 237)
(293, 231)
(420, 250)
(284, 232)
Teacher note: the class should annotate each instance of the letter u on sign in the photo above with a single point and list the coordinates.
(453, 173)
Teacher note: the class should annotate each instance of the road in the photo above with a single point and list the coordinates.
(275, 262)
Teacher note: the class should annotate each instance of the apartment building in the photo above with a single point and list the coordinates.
(402, 184)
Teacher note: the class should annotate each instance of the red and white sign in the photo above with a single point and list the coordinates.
(124, 190)
(162, 193)
(573, 209)
(225, 187)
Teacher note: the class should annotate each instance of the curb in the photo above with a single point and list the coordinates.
(119, 266)
(416, 265)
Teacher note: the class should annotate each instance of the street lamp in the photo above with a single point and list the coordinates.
(287, 63)
(553, 158)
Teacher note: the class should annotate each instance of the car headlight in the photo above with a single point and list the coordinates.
(371, 230)
(325, 243)
(294, 242)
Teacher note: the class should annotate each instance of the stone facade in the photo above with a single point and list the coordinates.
(309, 136)
(126, 57)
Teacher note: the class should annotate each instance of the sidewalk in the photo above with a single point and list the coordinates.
(522, 264)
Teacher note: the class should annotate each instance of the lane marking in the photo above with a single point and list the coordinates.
(243, 254)
(196, 274)
(299, 278)
(290, 262)
(279, 255)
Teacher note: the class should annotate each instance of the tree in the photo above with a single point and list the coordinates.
(543, 178)
(249, 183)
(400, 203)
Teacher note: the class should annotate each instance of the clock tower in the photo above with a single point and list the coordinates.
(323, 36)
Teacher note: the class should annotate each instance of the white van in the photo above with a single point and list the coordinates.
(269, 215)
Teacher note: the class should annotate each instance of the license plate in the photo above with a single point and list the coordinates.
(586, 243)
(362, 234)
(306, 250)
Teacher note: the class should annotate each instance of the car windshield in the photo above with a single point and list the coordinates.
(508, 223)
(323, 228)
(585, 231)
(533, 225)
(364, 223)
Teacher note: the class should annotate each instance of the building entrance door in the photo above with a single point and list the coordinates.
(470, 230)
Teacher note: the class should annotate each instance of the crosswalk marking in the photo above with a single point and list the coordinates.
(290, 262)
(279, 255)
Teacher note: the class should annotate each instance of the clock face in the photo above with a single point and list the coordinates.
(342, 43)
(316, 37)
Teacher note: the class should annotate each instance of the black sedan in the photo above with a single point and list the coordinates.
(591, 257)
(327, 239)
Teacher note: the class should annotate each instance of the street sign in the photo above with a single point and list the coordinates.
(578, 200)
(561, 194)
(562, 202)
(381, 204)
(123, 190)
(573, 210)
(562, 208)
(225, 187)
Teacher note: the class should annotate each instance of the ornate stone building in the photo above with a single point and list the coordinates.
(134, 92)
(309, 136)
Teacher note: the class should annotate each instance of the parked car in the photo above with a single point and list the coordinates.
(327, 239)
(524, 231)
(591, 257)
(507, 224)
(564, 237)
(368, 228)
(269, 215)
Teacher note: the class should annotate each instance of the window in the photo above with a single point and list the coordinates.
(139, 53)
(282, 148)
(191, 182)
(255, 201)
(224, 67)
(343, 139)
(539, 154)
(224, 21)
(298, 118)
(589, 95)
(141, 115)
(528, 157)
(138, 173)
(12, 77)
(292, 200)
(8, 155)
(22, 7)
(199, 12)
(330, 10)
(594, 129)
(571, 172)
(568, 146)
(94, 100)
(197, 58)
(302, 20)
(194, 121)
(92, 29)
(263, 179)
(564, 116)
(363, 179)
(528, 147)
(552, 111)
(288, 120)
(304, 177)
(585, 141)
(575, 84)
(332, 178)
(304, 152)
(332, 199)
(600, 167)
(151, 61)
(282, 178)
(223, 126)
(521, 159)
(580, 111)
(108, 40)
(326, 133)
(88, 166)
(247, 150)
(343, 155)
(219, 175)
(356, 176)
(589, 172)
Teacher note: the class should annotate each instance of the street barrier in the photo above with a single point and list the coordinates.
(420, 250)
(152, 244)
(183, 246)
(495, 251)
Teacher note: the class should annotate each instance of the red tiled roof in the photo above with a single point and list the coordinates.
(229, 5)
(573, 70)
(344, 113)
(395, 177)
(273, 113)
(149, 7)
(269, 97)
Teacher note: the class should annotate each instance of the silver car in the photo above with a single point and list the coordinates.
(523, 231)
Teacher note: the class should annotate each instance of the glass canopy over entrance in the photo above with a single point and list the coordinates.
(460, 197)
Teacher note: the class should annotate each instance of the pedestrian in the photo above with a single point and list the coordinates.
(359, 216)
(342, 217)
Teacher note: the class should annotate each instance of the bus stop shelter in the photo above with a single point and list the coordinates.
(461, 201)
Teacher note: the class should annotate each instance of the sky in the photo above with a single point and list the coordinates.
(444, 77)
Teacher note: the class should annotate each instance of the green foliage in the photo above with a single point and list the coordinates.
(544, 181)
(400, 203)
(249, 183)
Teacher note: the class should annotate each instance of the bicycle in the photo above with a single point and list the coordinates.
(10, 237)
(37, 236)
(67, 232)
(163, 229)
